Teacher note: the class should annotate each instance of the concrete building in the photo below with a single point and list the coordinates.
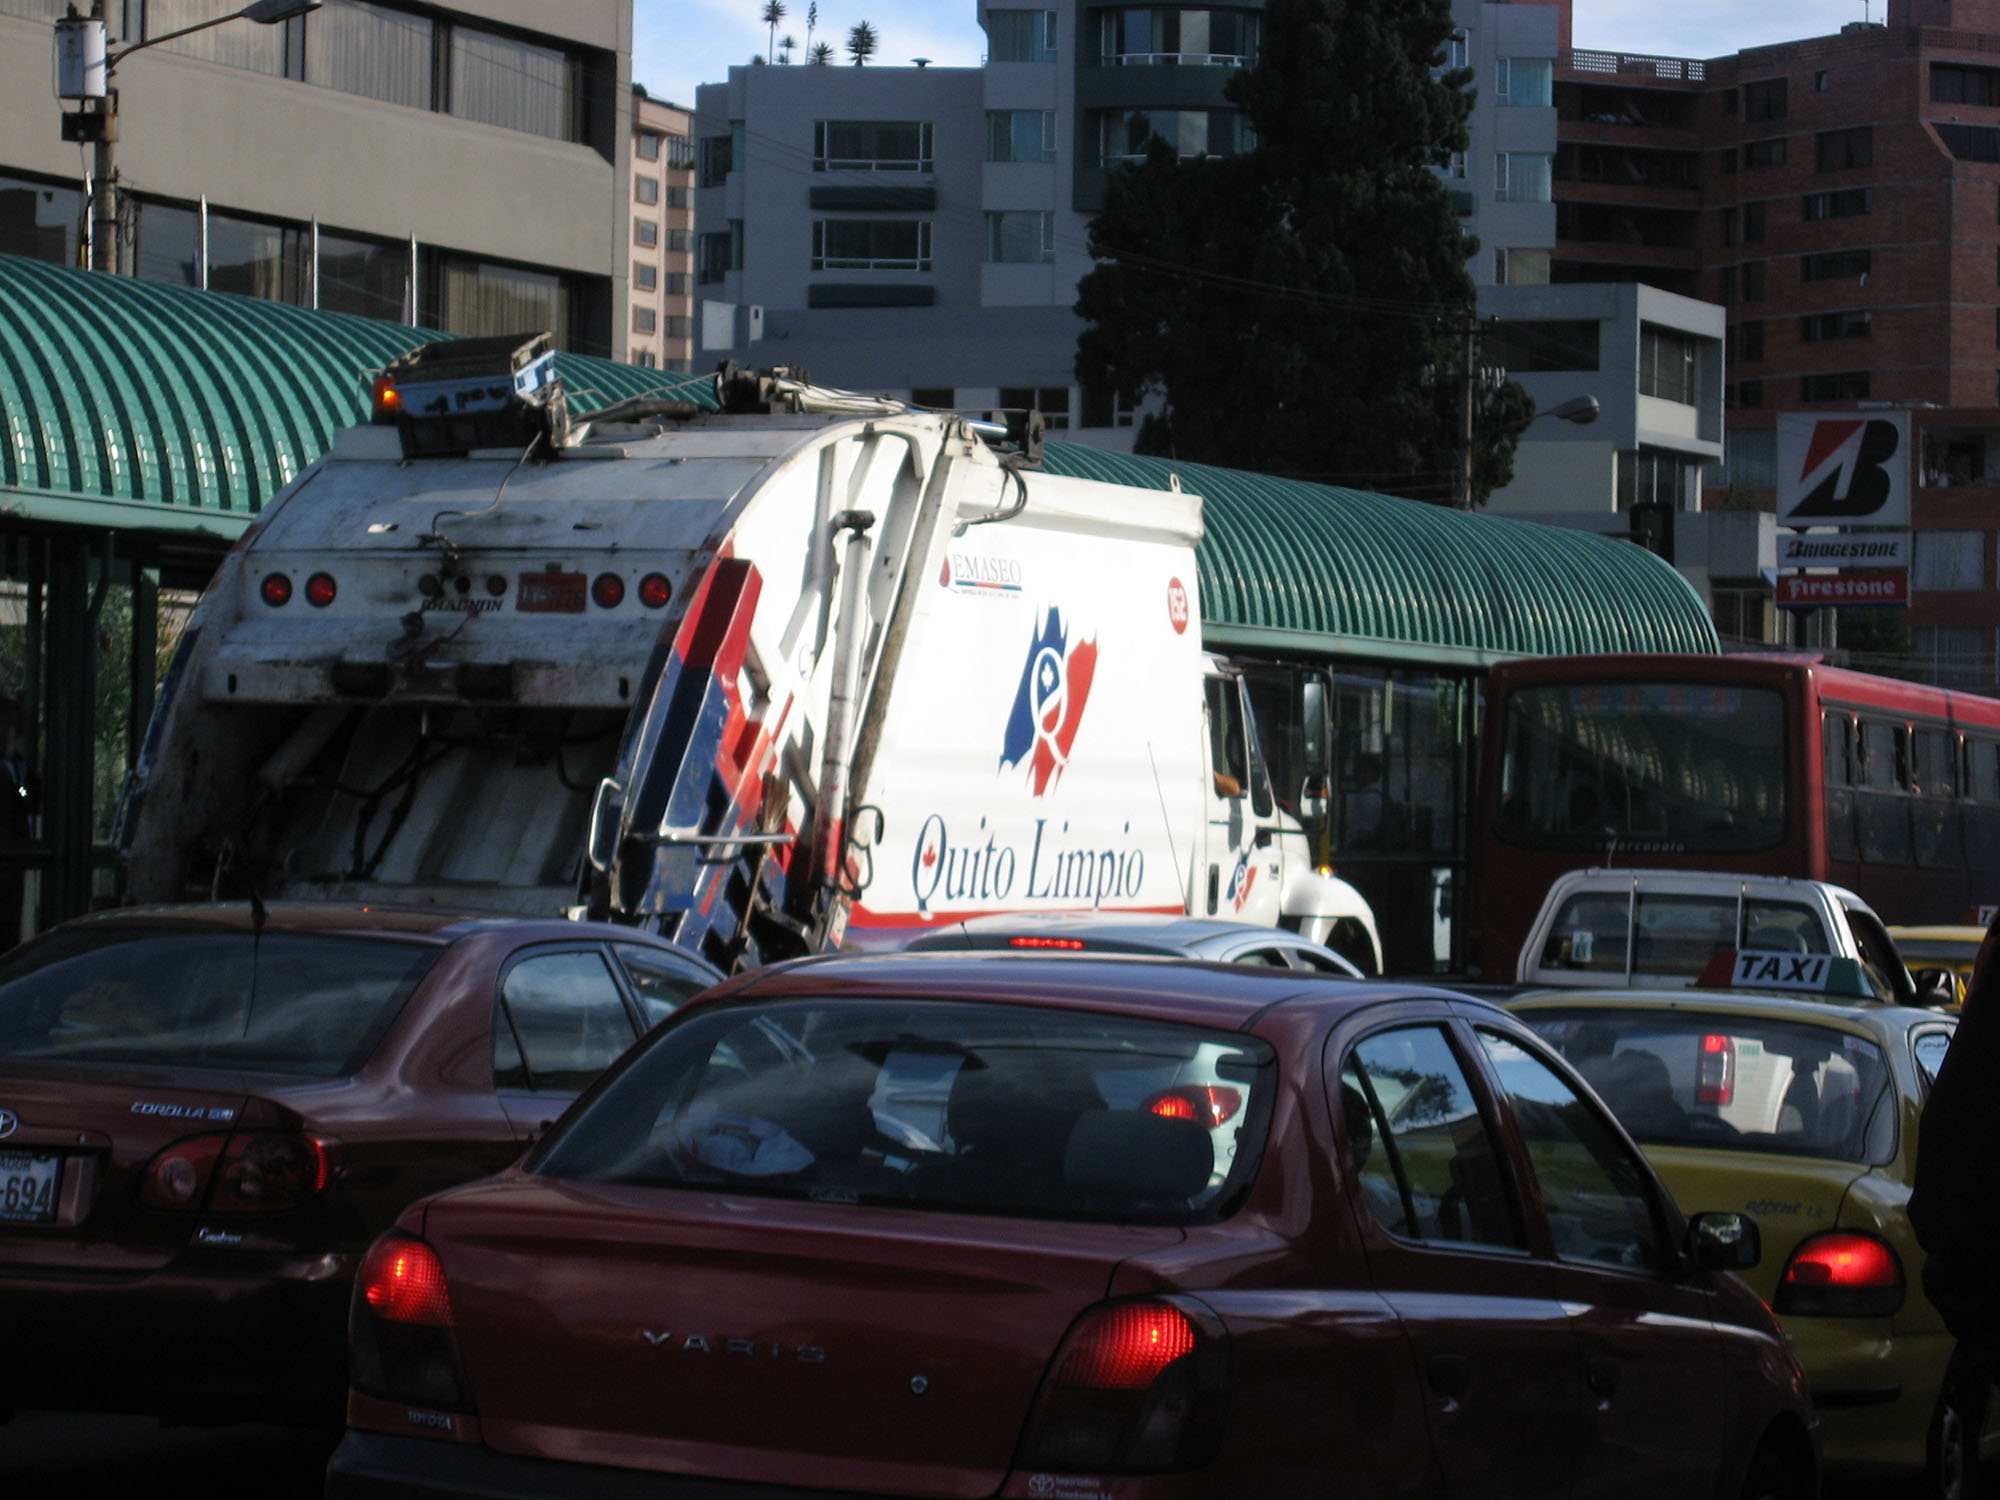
(660, 334)
(459, 166)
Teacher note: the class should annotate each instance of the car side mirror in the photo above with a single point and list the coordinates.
(1722, 1240)
(1937, 986)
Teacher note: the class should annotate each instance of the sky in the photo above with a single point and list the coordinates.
(678, 44)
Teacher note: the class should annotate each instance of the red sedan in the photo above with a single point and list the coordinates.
(207, 1113)
(993, 1225)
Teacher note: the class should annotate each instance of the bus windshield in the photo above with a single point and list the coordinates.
(1643, 767)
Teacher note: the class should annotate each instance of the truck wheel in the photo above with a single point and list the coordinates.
(1951, 1451)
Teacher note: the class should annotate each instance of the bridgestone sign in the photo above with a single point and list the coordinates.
(1848, 549)
(1849, 470)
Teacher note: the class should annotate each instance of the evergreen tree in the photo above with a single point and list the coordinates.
(861, 42)
(1286, 303)
(821, 54)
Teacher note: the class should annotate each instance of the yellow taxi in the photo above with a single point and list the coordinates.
(1947, 945)
(1801, 1112)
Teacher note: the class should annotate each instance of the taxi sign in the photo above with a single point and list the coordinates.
(1776, 969)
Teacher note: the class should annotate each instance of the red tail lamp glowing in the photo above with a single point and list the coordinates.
(655, 589)
(1715, 1073)
(320, 590)
(1068, 944)
(1125, 1346)
(607, 591)
(403, 1280)
(276, 589)
(1208, 1105)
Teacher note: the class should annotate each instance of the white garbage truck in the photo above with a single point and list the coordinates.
(808, 671)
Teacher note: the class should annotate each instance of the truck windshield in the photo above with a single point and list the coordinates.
(972, 1107)
(1637, 767)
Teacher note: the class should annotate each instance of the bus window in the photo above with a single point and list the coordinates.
(1837, 750)
(1883, 804)
(1981, 814)
(1934, 826)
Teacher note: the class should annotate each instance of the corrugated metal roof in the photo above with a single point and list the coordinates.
(1287, 565)
(129, 403)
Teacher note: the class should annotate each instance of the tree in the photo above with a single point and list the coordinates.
(1285, 303)
(861, 42)
(820, 55)
(787, 44)
(774, 12)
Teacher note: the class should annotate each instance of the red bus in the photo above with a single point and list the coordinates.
(1762, 764)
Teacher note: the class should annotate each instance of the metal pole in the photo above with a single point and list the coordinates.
(104, 245)
(1468, 353)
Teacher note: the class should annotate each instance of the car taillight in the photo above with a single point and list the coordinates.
(276, 589)
(249, 1171)
(1137, 1387)
(1841, 1274)
(320, 589)
(1067, 944)
(607, 591)
(400, 1341)
(1208, 1105)
(655, 589)
(1715, 1072)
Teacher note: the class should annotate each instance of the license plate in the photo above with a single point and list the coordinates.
(30, 1182)
(552, 593)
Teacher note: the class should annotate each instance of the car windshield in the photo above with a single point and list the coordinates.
(941, 1105)
(284, 1002)
(1731, 1082)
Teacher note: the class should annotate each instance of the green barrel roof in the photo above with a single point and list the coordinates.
(1291, 566)
(130, 403)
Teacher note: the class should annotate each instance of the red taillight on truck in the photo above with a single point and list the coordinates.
(400, 1341)
(1841, 1274)
(1715, 1070)
(655, 590)
(607, 591)
(320, 590)
(249, 1171)
(1137, 1387)
(276, 589)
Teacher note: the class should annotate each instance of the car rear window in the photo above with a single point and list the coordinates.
(945, 1105)
(1731, 1082)
(298, 1003)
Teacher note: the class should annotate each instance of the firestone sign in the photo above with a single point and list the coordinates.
(1847, 590)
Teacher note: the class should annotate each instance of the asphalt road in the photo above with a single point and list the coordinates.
(67, 1456)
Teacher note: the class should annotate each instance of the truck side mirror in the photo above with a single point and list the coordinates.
(607, 808)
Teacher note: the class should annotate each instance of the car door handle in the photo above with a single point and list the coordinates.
(1450, 1375)
(1602, 1374)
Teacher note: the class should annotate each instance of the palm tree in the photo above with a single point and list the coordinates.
(785, 45)
(861, 42)
(821, 54)
(774, 12)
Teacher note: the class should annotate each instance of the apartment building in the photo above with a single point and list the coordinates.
(660, 332)
(459, 166)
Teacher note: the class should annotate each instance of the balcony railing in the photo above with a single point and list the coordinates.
(1683, 69)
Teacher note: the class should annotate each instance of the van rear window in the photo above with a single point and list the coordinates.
(947, 1105)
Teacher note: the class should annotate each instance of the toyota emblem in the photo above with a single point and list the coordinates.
(9, 1123)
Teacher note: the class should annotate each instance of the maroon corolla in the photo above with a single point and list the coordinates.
(940, 1226)
(207, 1113)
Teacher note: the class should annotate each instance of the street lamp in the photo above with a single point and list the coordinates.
(84, 65)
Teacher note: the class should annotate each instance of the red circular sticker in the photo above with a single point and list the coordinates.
(1177, 610)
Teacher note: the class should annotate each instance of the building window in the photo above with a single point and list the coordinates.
(719, 253)
(1651, 477)
(872, 146)
(1753, 281)
(645, 232)
(679, 241)
(1844, 150)
(648, 145)
(1953, 83)
(1834, 265)
(645, 277)
(367, 277)
(1729, 101)
(1543, 346)
(1455, 165)
(679, 197)
(501, 80)
(1020, 135)
(1726, 286)
(717, 160)
(646, 189)
(1821, 83)
(1750, 341)
(1845, 203)
(1455, 58)
(1525, 82)
(1846, 385)
(1101, 406)
(255, 49)
(1020, 237)
(1021, 36)
(1513, 266)
(871, 245)
(1667, 365)
(1764, 100)
(1759, 155)
(1750, 395)
(1523, 176)
(1178, 37)
(644, 319)
(1753, 223)
(646, 359)
(1948, 561)
(680, 153)
(1725, 161)
(1127, 135)
(1052, 401)
(1726, 227)
(677, 326)
(366, 50)
(676, 284)
(1821, 328)
(476, 297)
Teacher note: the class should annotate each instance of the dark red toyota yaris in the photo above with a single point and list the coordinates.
(940, 1226)
(207, 1114)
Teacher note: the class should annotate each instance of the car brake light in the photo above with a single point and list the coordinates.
(1841, 1274)
(401, 1346)
(1070, 944)
(607, 591)
(276, 589)
(1137, 1387)
(249, 1171)
(1208, 1105)
(320, 589)
(1715, 1075)
(655, 589)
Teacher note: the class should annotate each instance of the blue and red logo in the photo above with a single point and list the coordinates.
(1049, 704)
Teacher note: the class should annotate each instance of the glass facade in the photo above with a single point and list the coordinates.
(1127, 135)
(40, 220)
(1171, 36)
